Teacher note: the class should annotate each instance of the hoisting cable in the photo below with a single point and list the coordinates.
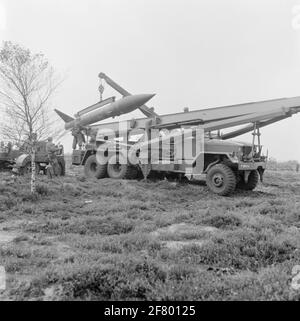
(101, 89)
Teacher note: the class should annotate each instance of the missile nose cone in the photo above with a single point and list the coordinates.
(130, 103)
(150, 95)
(144, 98)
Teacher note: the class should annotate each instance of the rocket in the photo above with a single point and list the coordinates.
(99, 112)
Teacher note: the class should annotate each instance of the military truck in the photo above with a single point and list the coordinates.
(225, 165)
(19, 159)
(22, 163)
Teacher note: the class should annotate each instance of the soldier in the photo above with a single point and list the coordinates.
(51, 150)
(60, 148)
(9, 147)
(78, 137)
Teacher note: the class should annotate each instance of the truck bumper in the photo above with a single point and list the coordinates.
(250, 166)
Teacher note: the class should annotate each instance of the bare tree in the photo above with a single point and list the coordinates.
(27, 83)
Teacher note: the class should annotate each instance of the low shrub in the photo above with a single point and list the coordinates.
(7, 203)
(27, 196)
(244, 250)
(42, 190)
(223, 221)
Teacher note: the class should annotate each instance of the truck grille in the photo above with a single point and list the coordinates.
(247, 150)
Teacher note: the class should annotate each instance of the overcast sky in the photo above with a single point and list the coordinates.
(194, 53)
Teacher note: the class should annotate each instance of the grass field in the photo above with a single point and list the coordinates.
(135, 240)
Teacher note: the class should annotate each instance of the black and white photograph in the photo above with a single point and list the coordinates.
(149, 153)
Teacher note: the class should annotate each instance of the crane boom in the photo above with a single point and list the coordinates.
(148, 112)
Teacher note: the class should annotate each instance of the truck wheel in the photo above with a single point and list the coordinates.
(93, 169)
(26, 169)
(252, 182)
(221, 180)
(117, 169)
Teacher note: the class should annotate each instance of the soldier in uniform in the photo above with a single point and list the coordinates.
(79, 138)
(60, 148)
(51, 150)
(9, 147)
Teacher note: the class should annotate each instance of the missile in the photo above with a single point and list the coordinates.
(117, 108)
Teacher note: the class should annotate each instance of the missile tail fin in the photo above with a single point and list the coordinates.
(63, 116)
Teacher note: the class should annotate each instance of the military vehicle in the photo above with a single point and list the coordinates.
(19, 160)
(22, 163)
(193, 148)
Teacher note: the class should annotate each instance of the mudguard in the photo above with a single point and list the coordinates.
(22, 160)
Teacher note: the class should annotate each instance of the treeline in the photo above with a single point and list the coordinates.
(291, 165)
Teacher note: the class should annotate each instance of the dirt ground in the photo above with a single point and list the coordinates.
(135, 240)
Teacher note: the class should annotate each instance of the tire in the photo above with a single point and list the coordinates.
(92, 169)
(116, 170)
(26, 169)
(253, 179)
(221, 180)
